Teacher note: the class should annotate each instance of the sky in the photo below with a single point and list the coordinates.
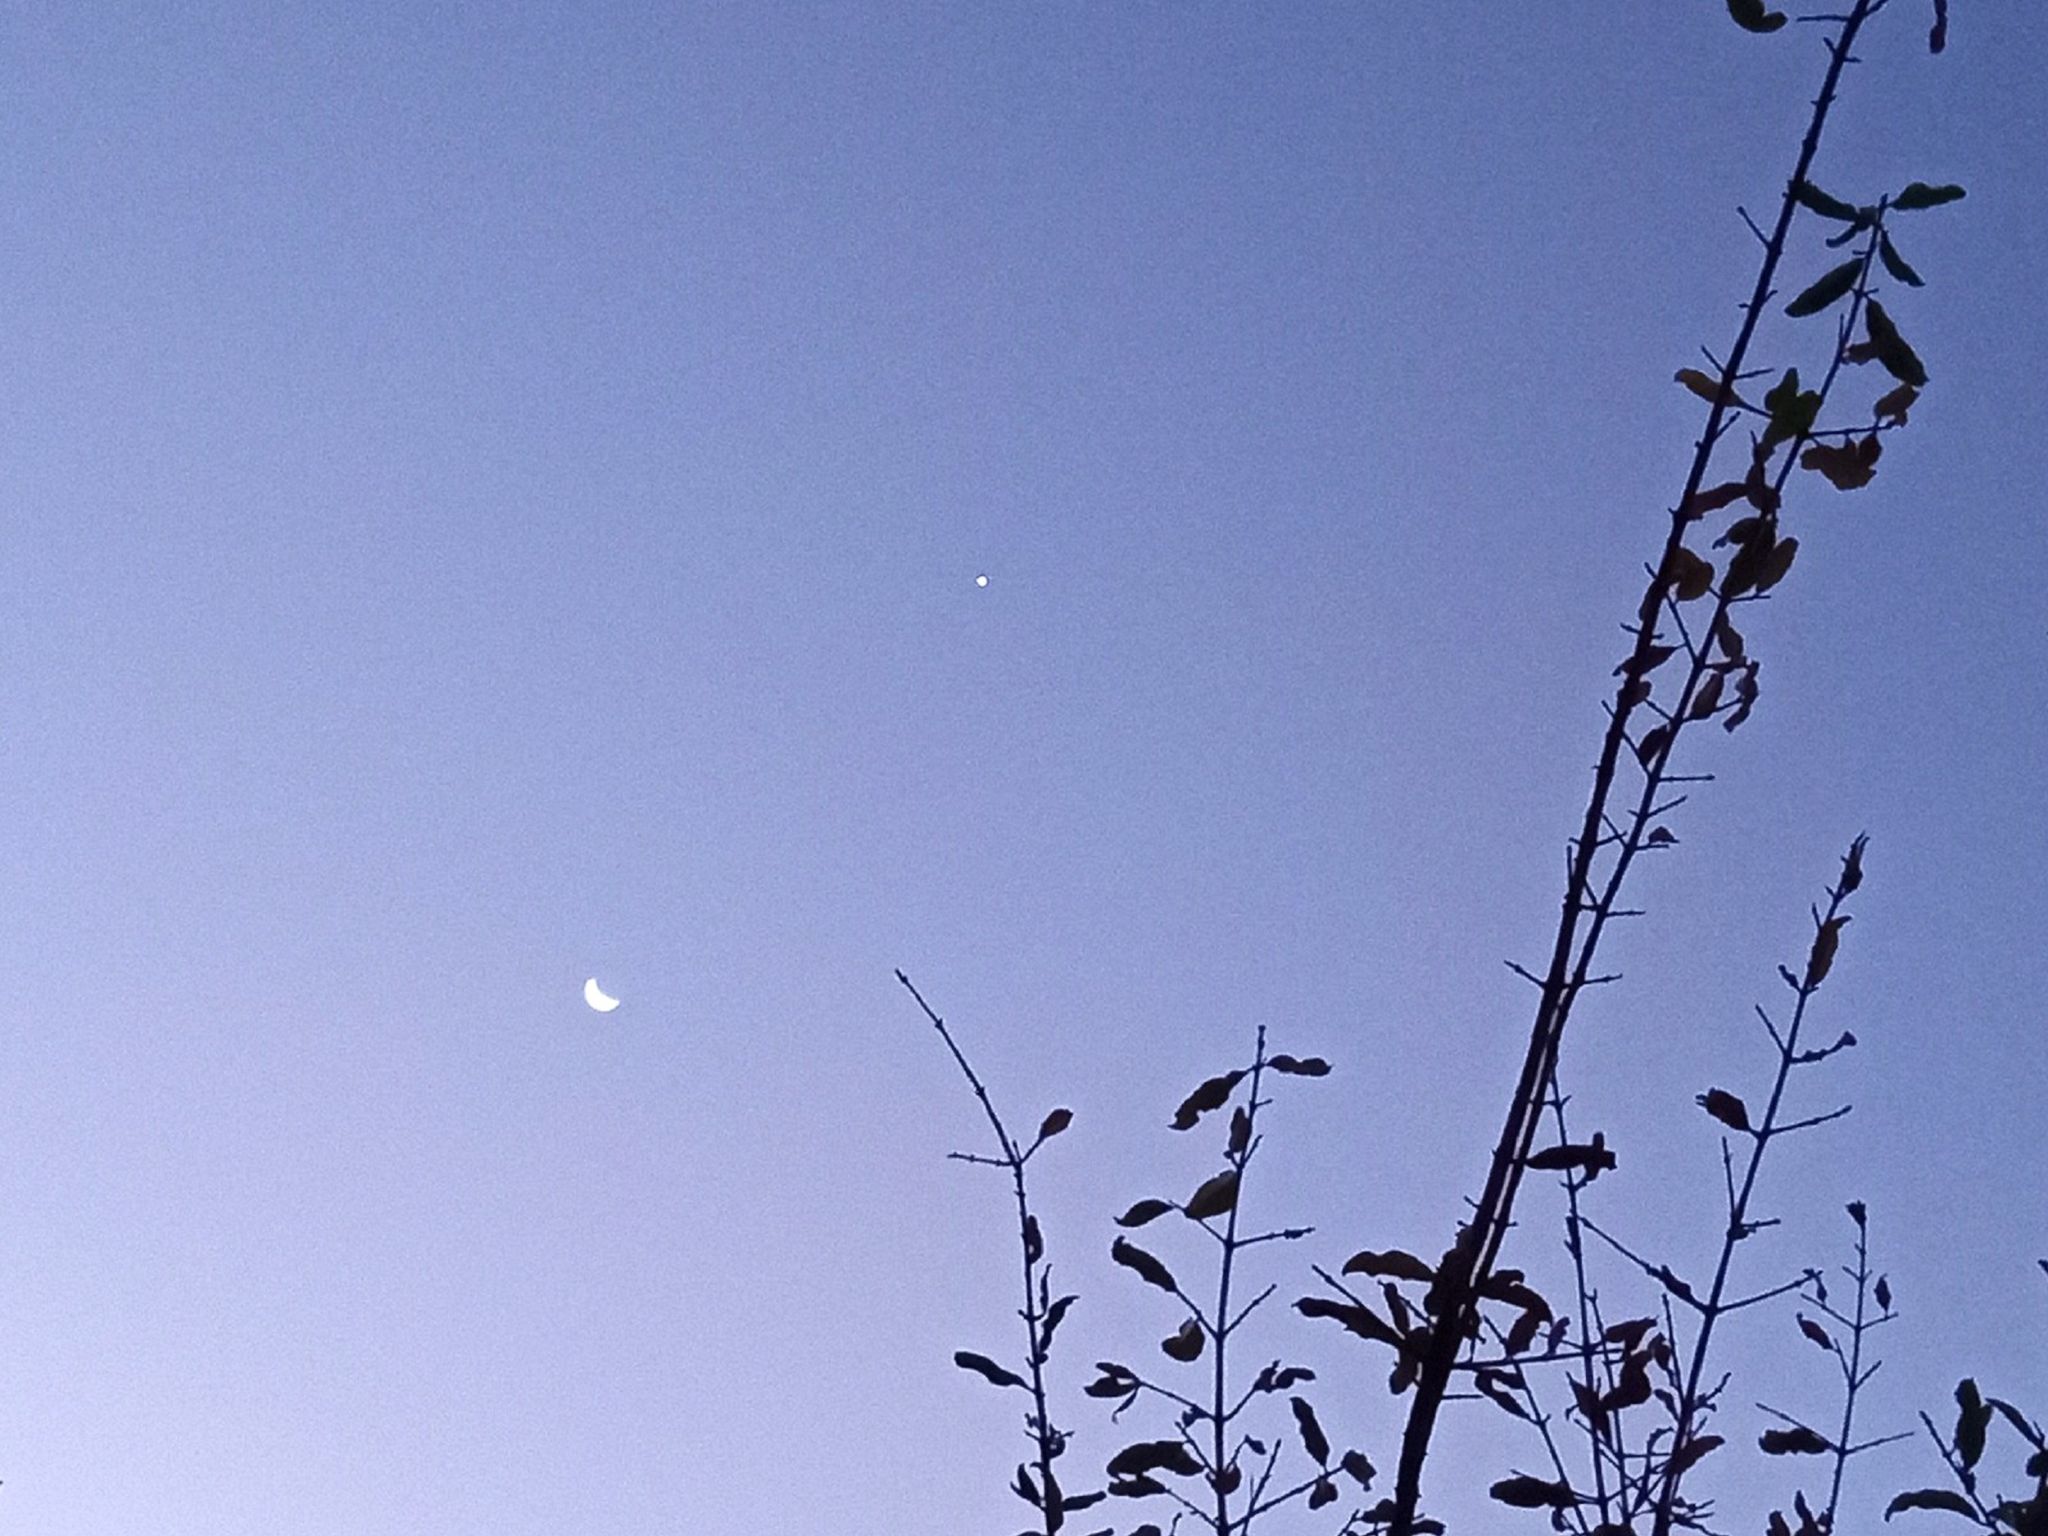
(492, 495)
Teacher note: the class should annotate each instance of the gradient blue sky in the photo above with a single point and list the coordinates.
(492, 494)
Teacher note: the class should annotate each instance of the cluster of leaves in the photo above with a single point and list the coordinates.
(1964, 1448)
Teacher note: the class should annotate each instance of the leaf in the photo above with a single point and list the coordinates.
(1713, 499)
(1144, 1211)
(1313, 1440)
(1359, 1319)
(1034, 1241)
(1695, 1450)
(1776, 564)
(1186, 1344)
(1846, 466)
(1708, 699)
(1831, 285)
(1590, 1158)
(1821, 958)
(1216, 1197)
(1357, 1468)
(1114, 1381)
(1972, 1417)
(1918, 194)
(1937, 35)
(1931, 1498)
(1300, 1066)
(1054, 1123)
(1653, 743)
(1895, 264)
(1212, 1094)
(1890, 348)
(1322, 1492)
(1526, 1492)
(1799, 1441)
(1147, 1268)
(1815, 1332)
(1751, 16)
(1027, 1490)
(1663, 837)
(1154, 1456)
(1883, 1292)
(982, 1366)
(1725, 1107)
(1810, 197)
(1689, 575)
(1395, 1262)
(1895, 405)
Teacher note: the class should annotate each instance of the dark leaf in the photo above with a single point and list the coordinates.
(982, 1366)
(1034, 1242)
(1144, 1211)
(1931, 1498)
(1846, 466)
(1359, 1319)
(1185, 1345)
(1525, 1492)
(1821, 958)
(1137, 1486)
(1216, 1197)
(1027, 1490)
(1707, 700)
(1114, 1381)
(1495, 1391)
(1891, 349)
(1240, 1130)
(1523, 1333)
(1054, 1315)
(1055, 1122)
(1937, 35)
(1212, 1094)
(1883, 1292)
(1725, 1107)
(1653, 743)
(1751, 16)
(1895, 264)
(1154, 1456)
(1073, 1501)
(1832, 285)
(1689, 575)
(1799, 1441)
(1664, 837)
(1918, 194)
(1323, 1492)
(1972, 1417)
(1590, 1158)
(1357, 1468)
(1707, 388)
(1148, 1269)
(1815, 1332)
(1395, 1262)
(1301, 1066)
(1695, 1449)
(1810, 197)
(1713, 499)
(1894, 405)
(1313, 1440)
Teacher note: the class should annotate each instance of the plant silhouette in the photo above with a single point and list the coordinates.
(1619, 1407)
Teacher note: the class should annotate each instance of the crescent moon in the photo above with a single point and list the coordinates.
(596, 996)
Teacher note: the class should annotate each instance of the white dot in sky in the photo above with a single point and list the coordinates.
(981, 581)
(597, 997)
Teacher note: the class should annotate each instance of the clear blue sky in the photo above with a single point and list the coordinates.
(492, 494)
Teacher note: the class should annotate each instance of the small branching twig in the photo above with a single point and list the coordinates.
(1036, 1483)
(1237, 1469)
